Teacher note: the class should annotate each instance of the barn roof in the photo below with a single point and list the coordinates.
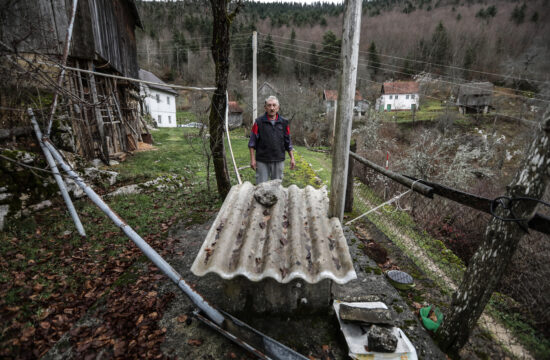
(478, 88)
(292, 239)
(332, 95)
(268, 85)
(234, 107)
(400, 87)
(149, 76)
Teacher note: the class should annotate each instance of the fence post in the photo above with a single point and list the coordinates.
(348, 207)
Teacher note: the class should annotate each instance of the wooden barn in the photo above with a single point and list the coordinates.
(475, 97)
(103, 113)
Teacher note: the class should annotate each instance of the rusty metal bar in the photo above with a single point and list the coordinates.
(539, 222)
(195, 297)
(57, 176)
(412, 184)
(68, 38)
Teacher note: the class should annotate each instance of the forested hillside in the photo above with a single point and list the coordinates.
(468, 40)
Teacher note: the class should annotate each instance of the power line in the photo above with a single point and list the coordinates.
(401, 72)
(422, 61)
(378, 83)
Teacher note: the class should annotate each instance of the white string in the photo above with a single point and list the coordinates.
(395, 198)
(379, 206)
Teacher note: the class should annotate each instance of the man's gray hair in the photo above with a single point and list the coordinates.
(271, 98)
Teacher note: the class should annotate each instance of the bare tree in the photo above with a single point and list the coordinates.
(499, 245)
(220, 52)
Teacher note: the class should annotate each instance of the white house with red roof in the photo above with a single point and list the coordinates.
(400, 95)
(160, 101)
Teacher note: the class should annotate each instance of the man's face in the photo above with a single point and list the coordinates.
(271, 107)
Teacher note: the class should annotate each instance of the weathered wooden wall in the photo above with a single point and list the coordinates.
(104, 30)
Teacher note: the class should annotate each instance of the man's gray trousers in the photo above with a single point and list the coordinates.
(269, 171)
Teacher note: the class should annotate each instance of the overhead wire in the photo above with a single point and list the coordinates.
(472, 85)
(421, 61)
(379, 83)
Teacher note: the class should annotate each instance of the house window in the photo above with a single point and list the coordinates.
(158, 98)
(395, 97)
(407, 97)
(169, 119)
(168, 100)
(391, 97)
(160, 119)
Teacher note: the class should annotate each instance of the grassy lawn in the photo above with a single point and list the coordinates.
(430, 110)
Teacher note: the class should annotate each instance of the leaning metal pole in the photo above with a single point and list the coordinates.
(197, 299)
(57, 176)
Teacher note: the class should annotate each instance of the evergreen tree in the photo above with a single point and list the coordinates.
(518, 14)
(267, 59)
(440, 45)
(374, 59)
(180, 49)
(292, 44)
(313, 60)
(329, 56)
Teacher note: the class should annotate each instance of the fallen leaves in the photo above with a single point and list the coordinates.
(194, 342)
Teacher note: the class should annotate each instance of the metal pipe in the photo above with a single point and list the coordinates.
(229, 138)
(57, 176)
(68, 38)
(197, 299)
(414, 185)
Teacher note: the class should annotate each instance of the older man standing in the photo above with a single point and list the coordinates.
(269, 140)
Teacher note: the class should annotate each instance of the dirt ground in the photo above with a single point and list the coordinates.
(179, 335)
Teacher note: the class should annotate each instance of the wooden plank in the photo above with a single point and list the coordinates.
(99, 120)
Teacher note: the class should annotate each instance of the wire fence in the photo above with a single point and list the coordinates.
(441, 235)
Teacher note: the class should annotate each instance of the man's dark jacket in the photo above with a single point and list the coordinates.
(270, 139)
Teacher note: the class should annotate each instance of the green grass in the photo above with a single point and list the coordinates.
(430, 110)
(301, 176)
(502, 307)
(185, 117)
(451, 265)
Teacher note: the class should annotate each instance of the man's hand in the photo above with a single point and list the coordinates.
(292, 163)
(252, 158)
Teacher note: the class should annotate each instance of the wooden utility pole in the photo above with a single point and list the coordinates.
(220, 53)
(501, 240)
(254, 76)
(346, 94)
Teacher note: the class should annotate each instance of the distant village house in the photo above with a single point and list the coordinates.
(264, 91)
(330, 97)
(475, 97)
(235, 115)
(160, 101)
(400, 95)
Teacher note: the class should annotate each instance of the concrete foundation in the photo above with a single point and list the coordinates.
(270, 296)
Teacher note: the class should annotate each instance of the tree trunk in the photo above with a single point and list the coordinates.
(501, 239)
(220, 53)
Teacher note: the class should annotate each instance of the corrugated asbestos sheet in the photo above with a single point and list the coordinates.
(292, 239)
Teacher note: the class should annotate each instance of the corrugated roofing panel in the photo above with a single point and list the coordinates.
(292, 239)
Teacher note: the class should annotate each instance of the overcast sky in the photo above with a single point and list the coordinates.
(304, 1)
(296, 1)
